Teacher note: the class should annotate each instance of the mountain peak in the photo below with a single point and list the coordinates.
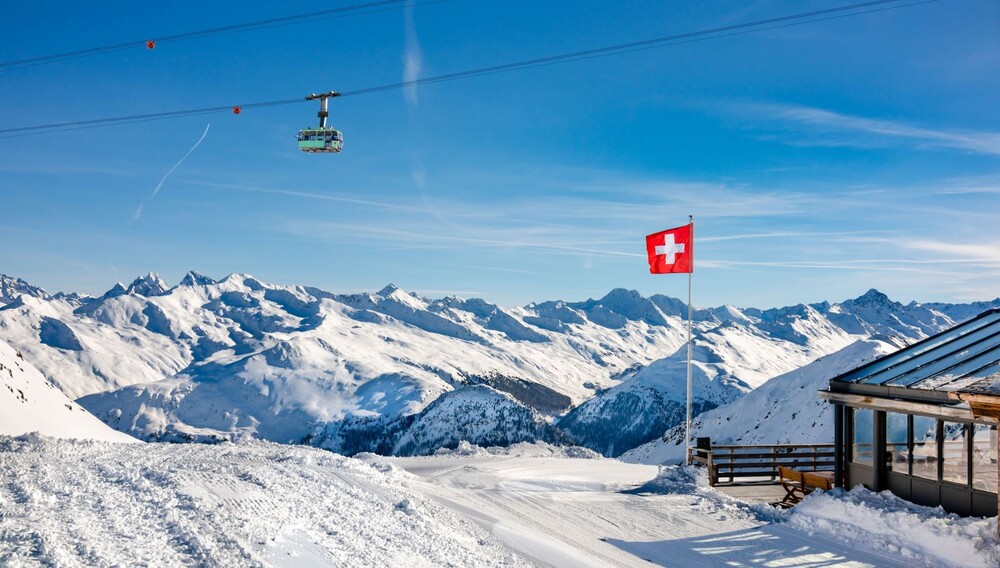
(388, 290)
(622, 294)
(193, 278)
(148, 285)
(873, 297)
(11, 288)
(117, 290)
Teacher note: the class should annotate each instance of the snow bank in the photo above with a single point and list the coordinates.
(882, 522)
(862, 520)
(97, 504)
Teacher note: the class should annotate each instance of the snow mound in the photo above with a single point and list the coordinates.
(861, 520)
(97, 504)
(882, 522)
(30, 403)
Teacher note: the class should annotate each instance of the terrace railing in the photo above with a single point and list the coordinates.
(759, 463)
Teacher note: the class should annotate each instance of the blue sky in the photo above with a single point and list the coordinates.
(819, 160)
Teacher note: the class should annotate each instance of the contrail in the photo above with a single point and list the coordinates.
(138, 210)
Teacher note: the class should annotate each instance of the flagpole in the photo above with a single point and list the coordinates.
(687, 427)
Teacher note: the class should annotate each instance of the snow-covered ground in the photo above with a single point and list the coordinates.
(74, 503)
(260, 504)
(563, 511)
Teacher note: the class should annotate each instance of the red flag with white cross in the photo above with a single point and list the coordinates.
(671, 251)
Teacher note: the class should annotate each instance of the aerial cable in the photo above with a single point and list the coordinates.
(621, 48)
(664, 41)
(150, 43)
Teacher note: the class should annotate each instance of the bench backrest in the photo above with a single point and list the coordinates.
(818, 481)
(790, 474)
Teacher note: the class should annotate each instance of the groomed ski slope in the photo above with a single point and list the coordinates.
(94, 504)
(562, 511)
(74, 503)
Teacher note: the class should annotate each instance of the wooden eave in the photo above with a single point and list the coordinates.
(957, 411)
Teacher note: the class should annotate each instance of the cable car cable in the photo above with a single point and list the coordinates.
(627, 47)
(664, 41)
(343, 11)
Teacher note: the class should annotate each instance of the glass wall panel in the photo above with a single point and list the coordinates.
(956, 462)
(862, 451)
(896, 450)
(925, 447)
(984, 458)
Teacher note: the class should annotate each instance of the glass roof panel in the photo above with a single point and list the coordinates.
(957, 369)
(983, 326)
(931, 362)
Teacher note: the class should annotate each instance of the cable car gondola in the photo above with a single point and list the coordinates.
(322, 140)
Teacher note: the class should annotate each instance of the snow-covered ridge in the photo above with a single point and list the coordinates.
(223, 359)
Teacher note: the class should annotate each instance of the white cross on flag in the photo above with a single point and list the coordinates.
(671, 251)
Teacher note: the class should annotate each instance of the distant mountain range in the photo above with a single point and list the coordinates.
(397, 373)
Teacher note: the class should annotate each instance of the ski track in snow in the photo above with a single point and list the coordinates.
(73, 503)
(578, 512)
(99, 504)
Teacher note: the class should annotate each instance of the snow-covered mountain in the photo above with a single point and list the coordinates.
(784, 410)
(238, 357)
(30, 403)
(729, 360)
(13, 288)
(213, 359)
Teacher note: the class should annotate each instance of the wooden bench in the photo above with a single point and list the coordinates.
(797, 484)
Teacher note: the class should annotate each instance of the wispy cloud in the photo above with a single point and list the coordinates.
(412, 56)
(819, 264)
(822, 127)
(949, 251)
(338, 198)
(396, 235)
(783, 235)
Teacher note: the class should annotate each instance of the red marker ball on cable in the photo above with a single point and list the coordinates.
(236, 110)
(150, 44)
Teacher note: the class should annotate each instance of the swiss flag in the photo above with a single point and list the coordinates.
(671, 251)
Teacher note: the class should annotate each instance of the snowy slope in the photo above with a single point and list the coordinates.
(602, 512)
(30, 403)
(99, 504)
(729, 361)
(784, 410)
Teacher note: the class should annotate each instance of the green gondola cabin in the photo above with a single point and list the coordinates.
(320, 140)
